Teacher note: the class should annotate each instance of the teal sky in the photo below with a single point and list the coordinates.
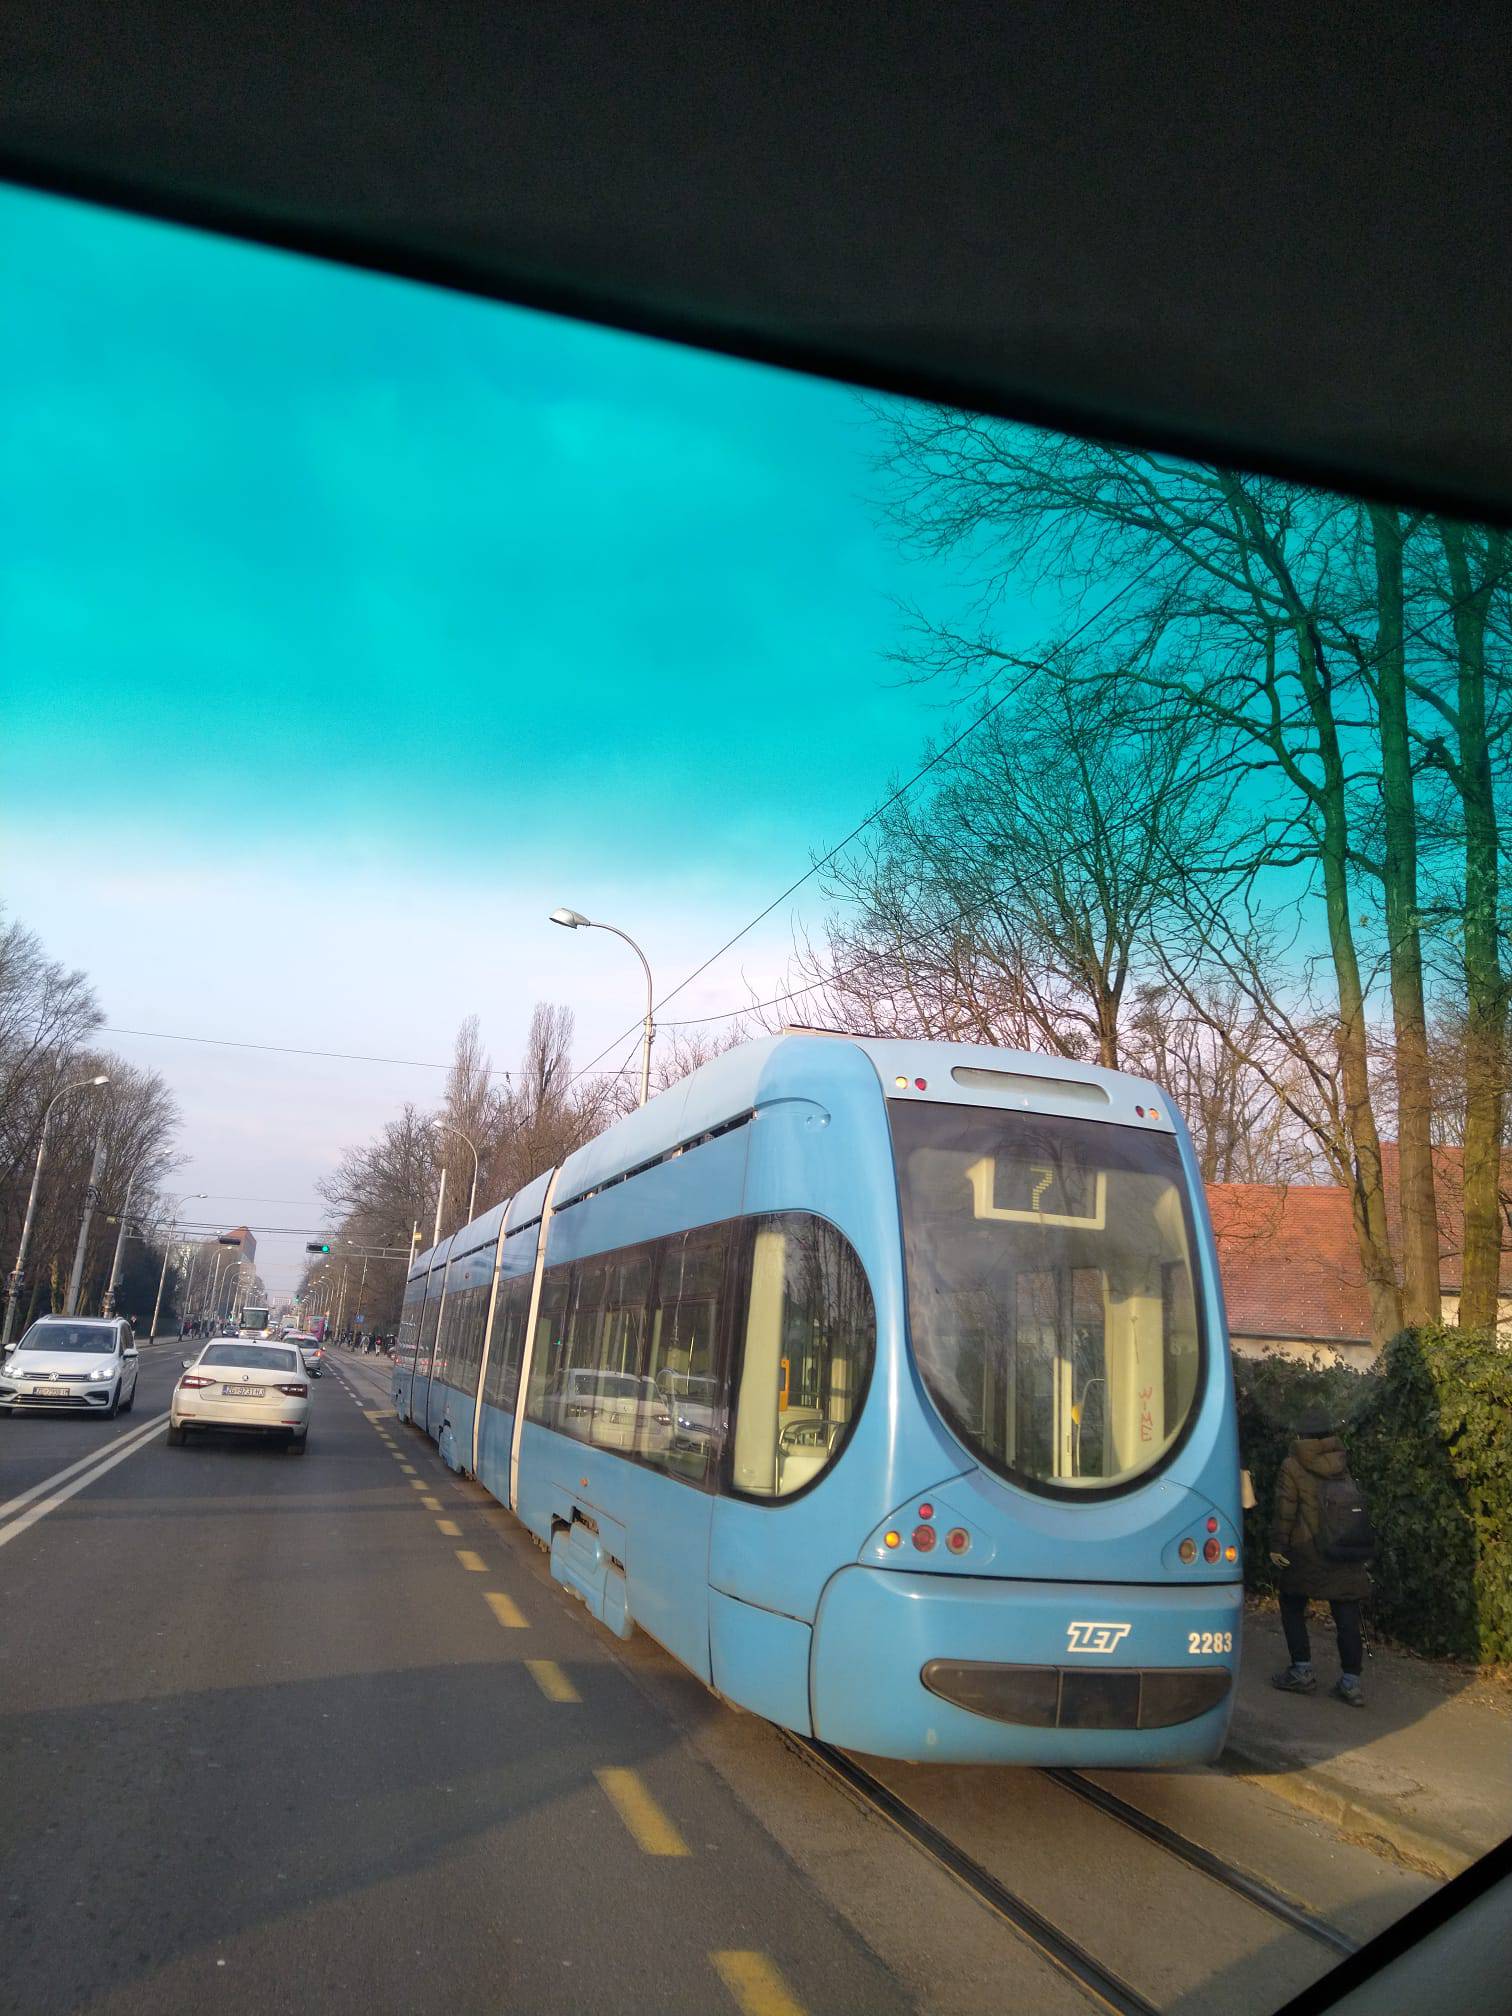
(348, 627)
(538, 587)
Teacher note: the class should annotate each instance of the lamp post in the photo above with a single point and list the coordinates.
(18, 1277)
(574, 920)
(91, 1198)
(107, 1308)
(168, 1246)
(472, 1195)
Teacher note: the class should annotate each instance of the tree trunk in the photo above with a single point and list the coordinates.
(1368, 1191)
(1418, 1203)
(1485, 982)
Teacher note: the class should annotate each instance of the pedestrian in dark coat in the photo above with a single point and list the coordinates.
(1317, 1456)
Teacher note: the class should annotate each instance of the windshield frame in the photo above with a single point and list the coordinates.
(243, 1364)
(107, 1338)
(1058, 1491)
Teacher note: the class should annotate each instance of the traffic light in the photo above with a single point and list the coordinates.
(317, 1246)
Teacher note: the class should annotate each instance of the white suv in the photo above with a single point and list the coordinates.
(84, 1364)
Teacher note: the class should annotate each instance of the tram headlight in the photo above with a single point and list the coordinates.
(1211, 1550)
(957, 1540)
(1188, 1550)
(924, 1538)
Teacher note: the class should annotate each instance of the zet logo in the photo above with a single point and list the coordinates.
(1096, 1637)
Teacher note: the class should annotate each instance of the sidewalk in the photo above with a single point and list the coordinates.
(1425, 1766)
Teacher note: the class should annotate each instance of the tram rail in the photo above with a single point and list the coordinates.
(1101, 1984)
(1202, 1859)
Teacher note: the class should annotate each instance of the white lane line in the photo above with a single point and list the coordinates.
(117, 1454)
(84, 1463)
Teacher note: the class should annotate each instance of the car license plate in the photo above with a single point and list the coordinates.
(245, 1392)
(37, 1390)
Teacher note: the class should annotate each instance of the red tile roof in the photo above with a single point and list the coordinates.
(1289, 1260)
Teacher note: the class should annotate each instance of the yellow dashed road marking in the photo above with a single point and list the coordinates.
(508, 1612)
(473, 1563)
(408, 1468)
(755, 1984)
(417, 1484)
(551, 1680)
(431, 1504)
(652, 1830)
(449, 1527)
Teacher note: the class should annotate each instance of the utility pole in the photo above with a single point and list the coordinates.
(91, 1198)
(168, 1245)
(440, 1200)
(107, 1307)
(17, 1283)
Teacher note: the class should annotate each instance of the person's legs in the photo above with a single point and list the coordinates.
(1346, 1616)
(1294, 1624)
(1298, 1677)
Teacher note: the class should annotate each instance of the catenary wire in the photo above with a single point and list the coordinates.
(754, 1007)
(297, 1050)
(902, 791)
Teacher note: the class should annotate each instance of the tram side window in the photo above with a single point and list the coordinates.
(549, 1351)
(465, 1352)
(681, 1422)
(810, 1339)
(429, 1316)
(511, 1314)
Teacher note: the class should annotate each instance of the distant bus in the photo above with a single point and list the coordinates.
(255, 1321)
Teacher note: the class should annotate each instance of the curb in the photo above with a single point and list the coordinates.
(1339, 1803)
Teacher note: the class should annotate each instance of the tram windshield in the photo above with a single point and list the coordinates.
(1050, 1289)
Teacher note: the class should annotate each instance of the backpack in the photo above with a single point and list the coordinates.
(1344, 1529)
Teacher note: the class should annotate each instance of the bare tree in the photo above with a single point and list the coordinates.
(1230, 603)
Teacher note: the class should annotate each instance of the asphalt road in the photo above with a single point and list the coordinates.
(320, 1734)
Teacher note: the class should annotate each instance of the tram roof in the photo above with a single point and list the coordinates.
(800, 1063)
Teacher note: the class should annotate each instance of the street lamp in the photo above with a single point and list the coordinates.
(108, 1306)
(168, 1245)
(16, 1280)
(574, 920)
(472, 1195)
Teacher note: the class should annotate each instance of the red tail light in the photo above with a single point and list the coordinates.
(294, 1392)
(193, 1379)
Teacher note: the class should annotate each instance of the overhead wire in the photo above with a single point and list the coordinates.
(1363, 665)
(1028, 668)
(298, 1050)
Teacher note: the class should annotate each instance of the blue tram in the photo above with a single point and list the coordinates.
(885, 1383)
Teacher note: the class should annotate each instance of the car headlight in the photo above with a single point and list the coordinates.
(102, 1372)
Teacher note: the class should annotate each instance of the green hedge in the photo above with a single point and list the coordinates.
(1429, 1436)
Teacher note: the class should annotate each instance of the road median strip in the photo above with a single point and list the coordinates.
(650, 1828)
(755, 1984)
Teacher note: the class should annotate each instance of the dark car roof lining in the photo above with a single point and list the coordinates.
(1278, 235)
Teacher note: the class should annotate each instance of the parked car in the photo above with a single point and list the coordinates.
(251, 1388)
(84, 1364)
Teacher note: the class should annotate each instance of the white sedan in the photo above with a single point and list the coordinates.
(310, 1349)
(245, 1386)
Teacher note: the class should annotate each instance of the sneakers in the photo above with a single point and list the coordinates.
(1295, 1680)
(1347, 1689)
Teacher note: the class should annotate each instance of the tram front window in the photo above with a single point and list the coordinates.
(1050, 1289)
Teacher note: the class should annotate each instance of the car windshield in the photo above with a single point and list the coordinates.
(1050, 1289)
(250, 1357)
(92, 1338)
(714, 1236)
